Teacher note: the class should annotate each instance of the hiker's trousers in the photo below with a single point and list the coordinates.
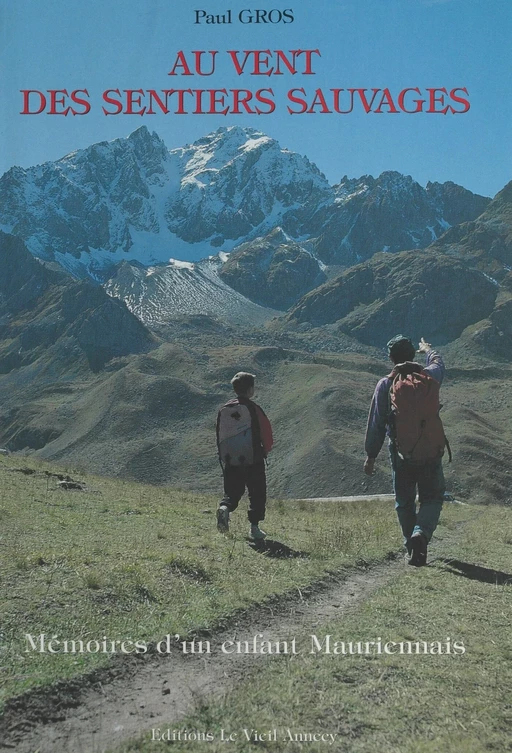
(236, 479)
(428, 481)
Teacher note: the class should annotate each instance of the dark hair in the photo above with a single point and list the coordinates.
(242, 382)
(401, 349)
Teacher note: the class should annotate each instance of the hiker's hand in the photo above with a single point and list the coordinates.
(369, 465)
(424, 347)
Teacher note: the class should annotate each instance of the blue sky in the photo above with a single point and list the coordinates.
(396, 44)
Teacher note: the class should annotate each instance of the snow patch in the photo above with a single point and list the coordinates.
(181, 264)
(491, 279)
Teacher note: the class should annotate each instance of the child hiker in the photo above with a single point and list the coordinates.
(244, 439)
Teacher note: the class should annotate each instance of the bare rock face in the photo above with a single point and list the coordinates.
(401, 292)
(456, 203)
(48, 315)
(273, 270)
(485, 242)
(86, 200)
(391, 213)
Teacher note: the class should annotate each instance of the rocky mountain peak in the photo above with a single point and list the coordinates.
(236, 136)
(501, 204)
(149, 149)
(133, 199)
(456, 203)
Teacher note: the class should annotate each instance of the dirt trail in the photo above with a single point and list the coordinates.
(99, 712)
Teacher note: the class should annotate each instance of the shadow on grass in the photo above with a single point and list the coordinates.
(276, 549)
(475, 572)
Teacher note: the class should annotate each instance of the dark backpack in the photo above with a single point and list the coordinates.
(417, 431)
(238, 436)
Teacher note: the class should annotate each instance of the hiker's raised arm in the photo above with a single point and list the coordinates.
(435, 364)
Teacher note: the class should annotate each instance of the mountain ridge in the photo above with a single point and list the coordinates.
(133, 199)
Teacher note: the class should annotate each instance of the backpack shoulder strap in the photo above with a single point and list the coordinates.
(255, 425)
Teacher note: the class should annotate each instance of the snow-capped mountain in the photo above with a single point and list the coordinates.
(389, 213)
(132, 199)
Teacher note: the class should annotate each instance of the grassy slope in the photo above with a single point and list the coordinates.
(132, 561)
(151, 418)
(395, 703)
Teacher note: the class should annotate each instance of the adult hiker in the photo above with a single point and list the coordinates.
(405, 406)
(244, 439)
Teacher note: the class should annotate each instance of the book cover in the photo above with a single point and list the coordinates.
(191, 191)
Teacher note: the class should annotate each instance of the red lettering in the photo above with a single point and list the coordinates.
(261, 61)
(319, 100)
(290, 65)
(132, 100)
(367, 106)
(79, 101)
(261, 58)
(198, 54)
(199, 104)
(218, 97)
(181, 100)
(265, 101)
(241, 97)
(180, 62)
(386, 100)
(234, 57)
(435, 100)
(26, 101)
(336, 101)
(154, 96)
(110, 101)
(56, 101)
(308, 71)
(298, 101)
(460, 100)
(401, 101)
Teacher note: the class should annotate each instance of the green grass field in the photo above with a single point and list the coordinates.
(136, 562)
(398, 703)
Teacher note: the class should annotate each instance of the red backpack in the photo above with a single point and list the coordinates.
(417, 430)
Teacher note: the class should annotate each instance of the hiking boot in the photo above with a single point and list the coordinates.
(256, 533)
(418, 550)
(223, 519)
